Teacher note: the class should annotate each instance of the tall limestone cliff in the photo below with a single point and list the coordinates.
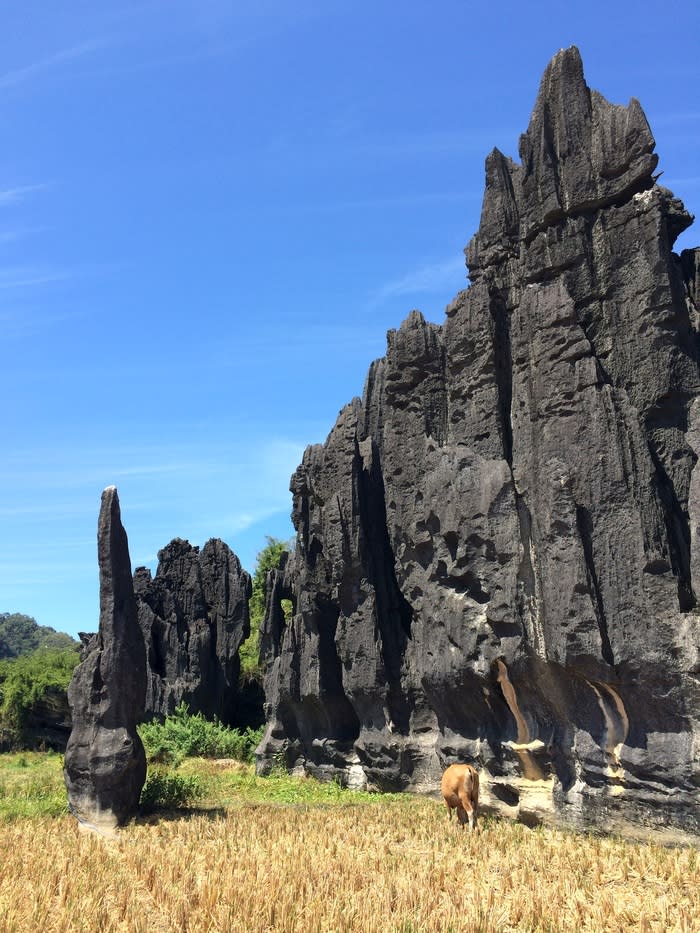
(498, 546)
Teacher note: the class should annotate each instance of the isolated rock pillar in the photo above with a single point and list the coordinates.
(105, 763)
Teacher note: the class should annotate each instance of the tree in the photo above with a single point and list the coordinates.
(20, 634)
(30, 685)
(268, 559)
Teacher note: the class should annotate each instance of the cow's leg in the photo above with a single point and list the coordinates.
(472, 819)
(467, 809)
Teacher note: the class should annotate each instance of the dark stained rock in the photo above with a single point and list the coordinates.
(194, 617)
(48, 724)
(497, 553)
(105, 764)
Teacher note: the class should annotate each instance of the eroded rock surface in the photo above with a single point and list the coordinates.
(194, 617)
(105, 764)
(497, 553)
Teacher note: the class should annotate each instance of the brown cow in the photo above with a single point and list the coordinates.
(460, 788)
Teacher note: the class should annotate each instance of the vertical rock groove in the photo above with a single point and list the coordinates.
(503, 372)
(585, 530)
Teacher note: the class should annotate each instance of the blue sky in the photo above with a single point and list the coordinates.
(211, 213)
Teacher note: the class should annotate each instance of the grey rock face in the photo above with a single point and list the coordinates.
(105, 764)
(194, 617)
(497, 552)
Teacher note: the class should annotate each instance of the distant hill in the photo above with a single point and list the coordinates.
(20, 634)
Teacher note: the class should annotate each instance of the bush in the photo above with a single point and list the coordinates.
(184, 735)
(165, 790)
(30, 681)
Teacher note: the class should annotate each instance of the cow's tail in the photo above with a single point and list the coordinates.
(471, 785)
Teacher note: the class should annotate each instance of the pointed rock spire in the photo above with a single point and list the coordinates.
(580, 152)
(105, 763)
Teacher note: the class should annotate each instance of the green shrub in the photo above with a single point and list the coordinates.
(165, 790)
(186, 735)
(29, 681)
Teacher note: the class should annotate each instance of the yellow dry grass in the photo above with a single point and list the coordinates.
(396, 865)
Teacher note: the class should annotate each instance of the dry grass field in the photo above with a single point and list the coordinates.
(332, 862)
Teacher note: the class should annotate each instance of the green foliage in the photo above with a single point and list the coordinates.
(184, 735)
(165, 790)
(30, 681)
(249, 655)
(20, 635)
(268, 559)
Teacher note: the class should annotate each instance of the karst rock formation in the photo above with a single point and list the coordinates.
(194, 617)
(498, 551)
(105, 763)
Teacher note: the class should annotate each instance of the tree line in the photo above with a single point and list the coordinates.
(20, 634)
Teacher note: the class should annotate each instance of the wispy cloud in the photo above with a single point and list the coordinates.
(392, 201)
(19, 193)
(50, 494)
(49, 63)
(24, 322)
(30, 276)
(23, 278)
(257, 487)
(11, 236)
(242, 521)
(430, 144)
(48, 511)
(33, 573)
(205, 53)
(155, 469)
(426, 279)
(301, 142)
(265, 464)
(66, 475)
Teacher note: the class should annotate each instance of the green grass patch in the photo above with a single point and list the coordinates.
(31, 785)
(231, 784)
